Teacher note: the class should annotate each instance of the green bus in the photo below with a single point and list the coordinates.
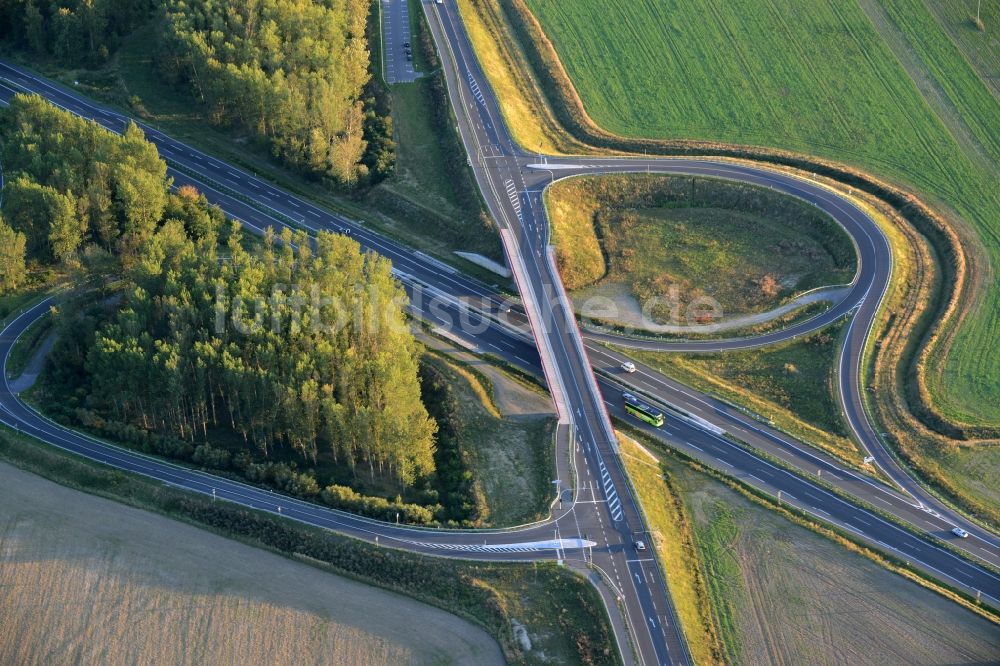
(635, 407)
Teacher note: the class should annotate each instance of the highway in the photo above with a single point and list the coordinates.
(496, 151)
(614, 514)
(512, 182)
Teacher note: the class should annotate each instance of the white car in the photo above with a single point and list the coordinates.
(960, 533)
(640, 545)
(628, 366)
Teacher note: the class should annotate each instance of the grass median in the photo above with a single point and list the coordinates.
(790, 385)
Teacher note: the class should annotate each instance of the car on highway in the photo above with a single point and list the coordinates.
(960, 533)
(628, 366)
(640, 546)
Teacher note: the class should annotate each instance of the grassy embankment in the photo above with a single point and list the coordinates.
(510, 454)
(433, 191)
(41, 280)
(946, 264)
(673, 543)
(791, 385)
(774, 583)
(561, 612)
(787, 93)
(25, 348)
(418, 204)
(679, 239)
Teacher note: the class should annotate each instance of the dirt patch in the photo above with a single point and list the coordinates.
(87, 580)
(506, 429)
(614, 302)
(796, 597)
(510, 396)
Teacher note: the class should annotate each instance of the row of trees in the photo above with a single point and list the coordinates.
(74, 31)
(290, 71)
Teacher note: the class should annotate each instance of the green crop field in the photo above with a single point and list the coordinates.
(980, 47)
(879, 85)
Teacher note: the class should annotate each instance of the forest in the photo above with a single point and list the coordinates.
(74, 32)
(296, 347)
(286, 358)
(291, 74)
(78, 194)
(290, 71)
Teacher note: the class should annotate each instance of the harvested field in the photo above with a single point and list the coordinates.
(87, 580)
(785, 595)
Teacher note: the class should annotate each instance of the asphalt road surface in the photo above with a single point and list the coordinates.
(512, 181)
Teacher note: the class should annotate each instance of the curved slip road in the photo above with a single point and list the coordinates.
(493, 145)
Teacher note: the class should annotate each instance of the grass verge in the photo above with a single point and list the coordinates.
(790, 385)
(673, 542)
(562, 613)
(510, 455)
(27, 344)
(433, 191)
